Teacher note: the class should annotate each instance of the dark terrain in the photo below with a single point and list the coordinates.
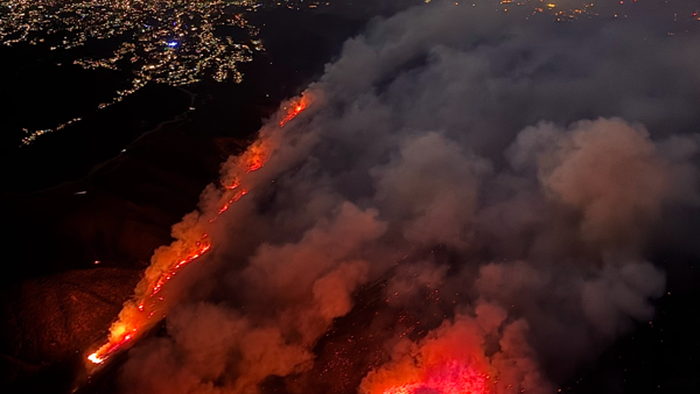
(77, 257)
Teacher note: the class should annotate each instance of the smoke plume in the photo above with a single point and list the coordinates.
(499, 179)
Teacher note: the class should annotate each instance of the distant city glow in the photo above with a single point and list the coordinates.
(142, 28)
(179, 42)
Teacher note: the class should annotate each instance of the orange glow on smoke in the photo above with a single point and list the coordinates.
(234, 199)
(449, 360)
(449, 378)
(256, 159)
(204, 245)
(293, 109)
(233, 185)
(101, 355)
(124, 330)
(136, 315)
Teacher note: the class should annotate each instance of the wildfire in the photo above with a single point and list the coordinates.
(450, 378)
(101, 355)
(257, 157)
(136, 315)
(204, 246)
(233, 185)
(294, 109)
(124, 330)
(227, 205)
(449, 360)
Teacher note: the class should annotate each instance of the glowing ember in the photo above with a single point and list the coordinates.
(257, 158)
(103, 353)
(124, 330)
(136, 315)
(204, 247)
(449, 360)
(294, 109)
(233, 184)
(95, 358)
(450, 378)
(234, 199)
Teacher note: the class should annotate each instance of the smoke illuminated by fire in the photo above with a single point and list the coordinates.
(405, 237)
(452, 359)
(294, 108)
(192, 242)
(450, 378)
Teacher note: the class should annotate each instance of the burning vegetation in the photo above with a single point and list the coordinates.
(192, 242)
(501, 252)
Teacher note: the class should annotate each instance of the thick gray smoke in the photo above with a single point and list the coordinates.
(516, 167)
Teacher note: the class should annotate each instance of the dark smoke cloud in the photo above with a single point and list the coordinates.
(539, 157)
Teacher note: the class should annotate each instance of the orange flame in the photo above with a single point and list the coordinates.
(204, 246)
(233, 185)
(293, 109)
(450, 378)
(449, 360)
(136, 315)
(256, 159)
(124, 330)
(227, 205)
